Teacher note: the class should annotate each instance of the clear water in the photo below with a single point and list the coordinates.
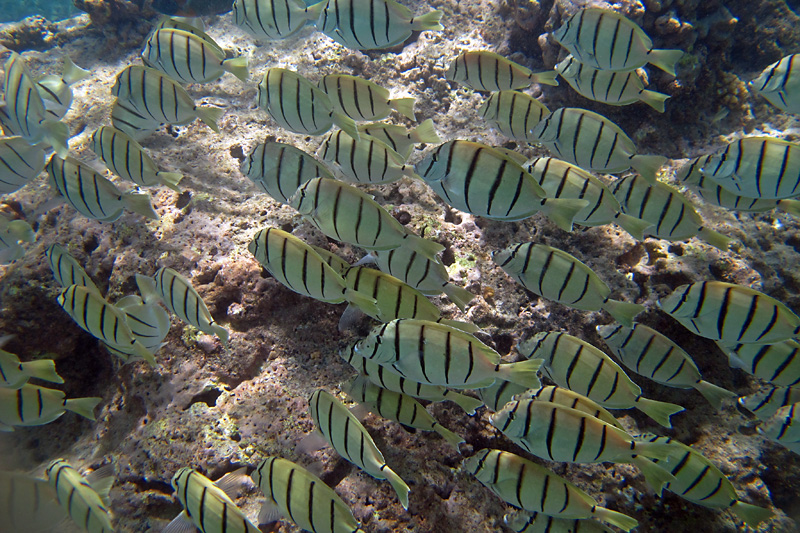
(14, 10)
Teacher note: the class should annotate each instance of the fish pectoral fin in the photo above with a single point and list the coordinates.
(180, 524)
(101, 481)
(232, 481)
(269, 513)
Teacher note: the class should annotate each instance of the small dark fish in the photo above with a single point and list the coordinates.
(192, 8)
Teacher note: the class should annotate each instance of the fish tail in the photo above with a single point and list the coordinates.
(751, 514)
(363, 302)
(147, 288)
(655, 476)
(424, 247)
(44, 369)
(452, 438)
(525, 373)
(222, 333)
(665, 59)
(73, 73)
(790, 206)
(313, 12)
(467, 403)
(622, 521)
(21, 231)
(623, 312)
(658, 411)
(209, 115)
(715, 238)
(236, 66)
(347, 124)
(426, 133)
(562, 211)
(654, 99)
(458, 295)
(547, 77)
(140, 203)
(648, 165)
(140, 351)
(713, 393)
(404, 106)
(398, 485)
(634, 226)
(428, 21)
(56, 134)
(170, 179)
(83, 406)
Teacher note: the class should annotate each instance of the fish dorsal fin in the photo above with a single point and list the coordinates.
(101, 481)
(232, 481)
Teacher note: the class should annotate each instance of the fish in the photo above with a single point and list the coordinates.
(607, 40)
(363, 100)
(208, 505)
(339, 265)
(559, 433)
(388, 24)
(180, 298)
(149, 324)
(496, 395)
(531, 487)
(730, 313)
(652, 355)
(481, 180)
(482, 70)
(593, 142)
(699, 481)
(367, 160)
(102, 320)
(14, 374)
(191, 8)
(781, 427)
(525, 522)
(24, 113)
(398, 138)
(56, 90)
(20, 163)
(157, 97)
(757, 167)
(31, 405)
(274, 19)
(778, 363)
(388, 379)
(778, 84)
(126, 118)
(66, 269)
(397, 407)
(577, 365)
(188, 58)
(127, 159)
(12, 234)
(280, 169)
(342, 430)
(91, 194)
(298, 495)
(296, 265)
(556, 275)
(671, 214)
(428, 276)
(765, 403)
(609, 87)
(429, 352)
(299, 106)
(513, 113)
(560, 179)
(84, 499)
(569, 398)
(347, 214)
(28, 504)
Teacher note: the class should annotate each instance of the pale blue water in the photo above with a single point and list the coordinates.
(14, 10)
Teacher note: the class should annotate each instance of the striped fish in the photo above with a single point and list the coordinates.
(207, 505)
(427, 276)
(91, 194)
(606, 40)
(12, 233)
(501, 392)
(149, 324)
(362, 99)
(577, 365)
(560, 179)
(55, 89)
(387, 378)
(764, 404)
(609, 87)
(481, 180)
(126, 118)
(297, 266)
(652, 355)
(778, 363)
(757, 167)
(127, 159)
(280, 169)
(388, 24)
(193, 25)
(342, 430)
(181, 299)
(525, 522)
(398, 138)
(573, 400)
(671, 215)
(593, 142)
(397, 407)
(28, 504)
(778, 84)
(339, 265)
(701, 482)
(274, 19)
(66, 269)
(429, 352)
(731, 313)
(513, 113)
(556, 275)
(781, 427)
(187, 58)
(14, 374)
(559, 433)
(298, 105)
(301, 497)
(366, 160)
(20, 163)
(31, 405)
(159, 99)
(347, 214)
(85, 500)
(533, 488)
(482, 70)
